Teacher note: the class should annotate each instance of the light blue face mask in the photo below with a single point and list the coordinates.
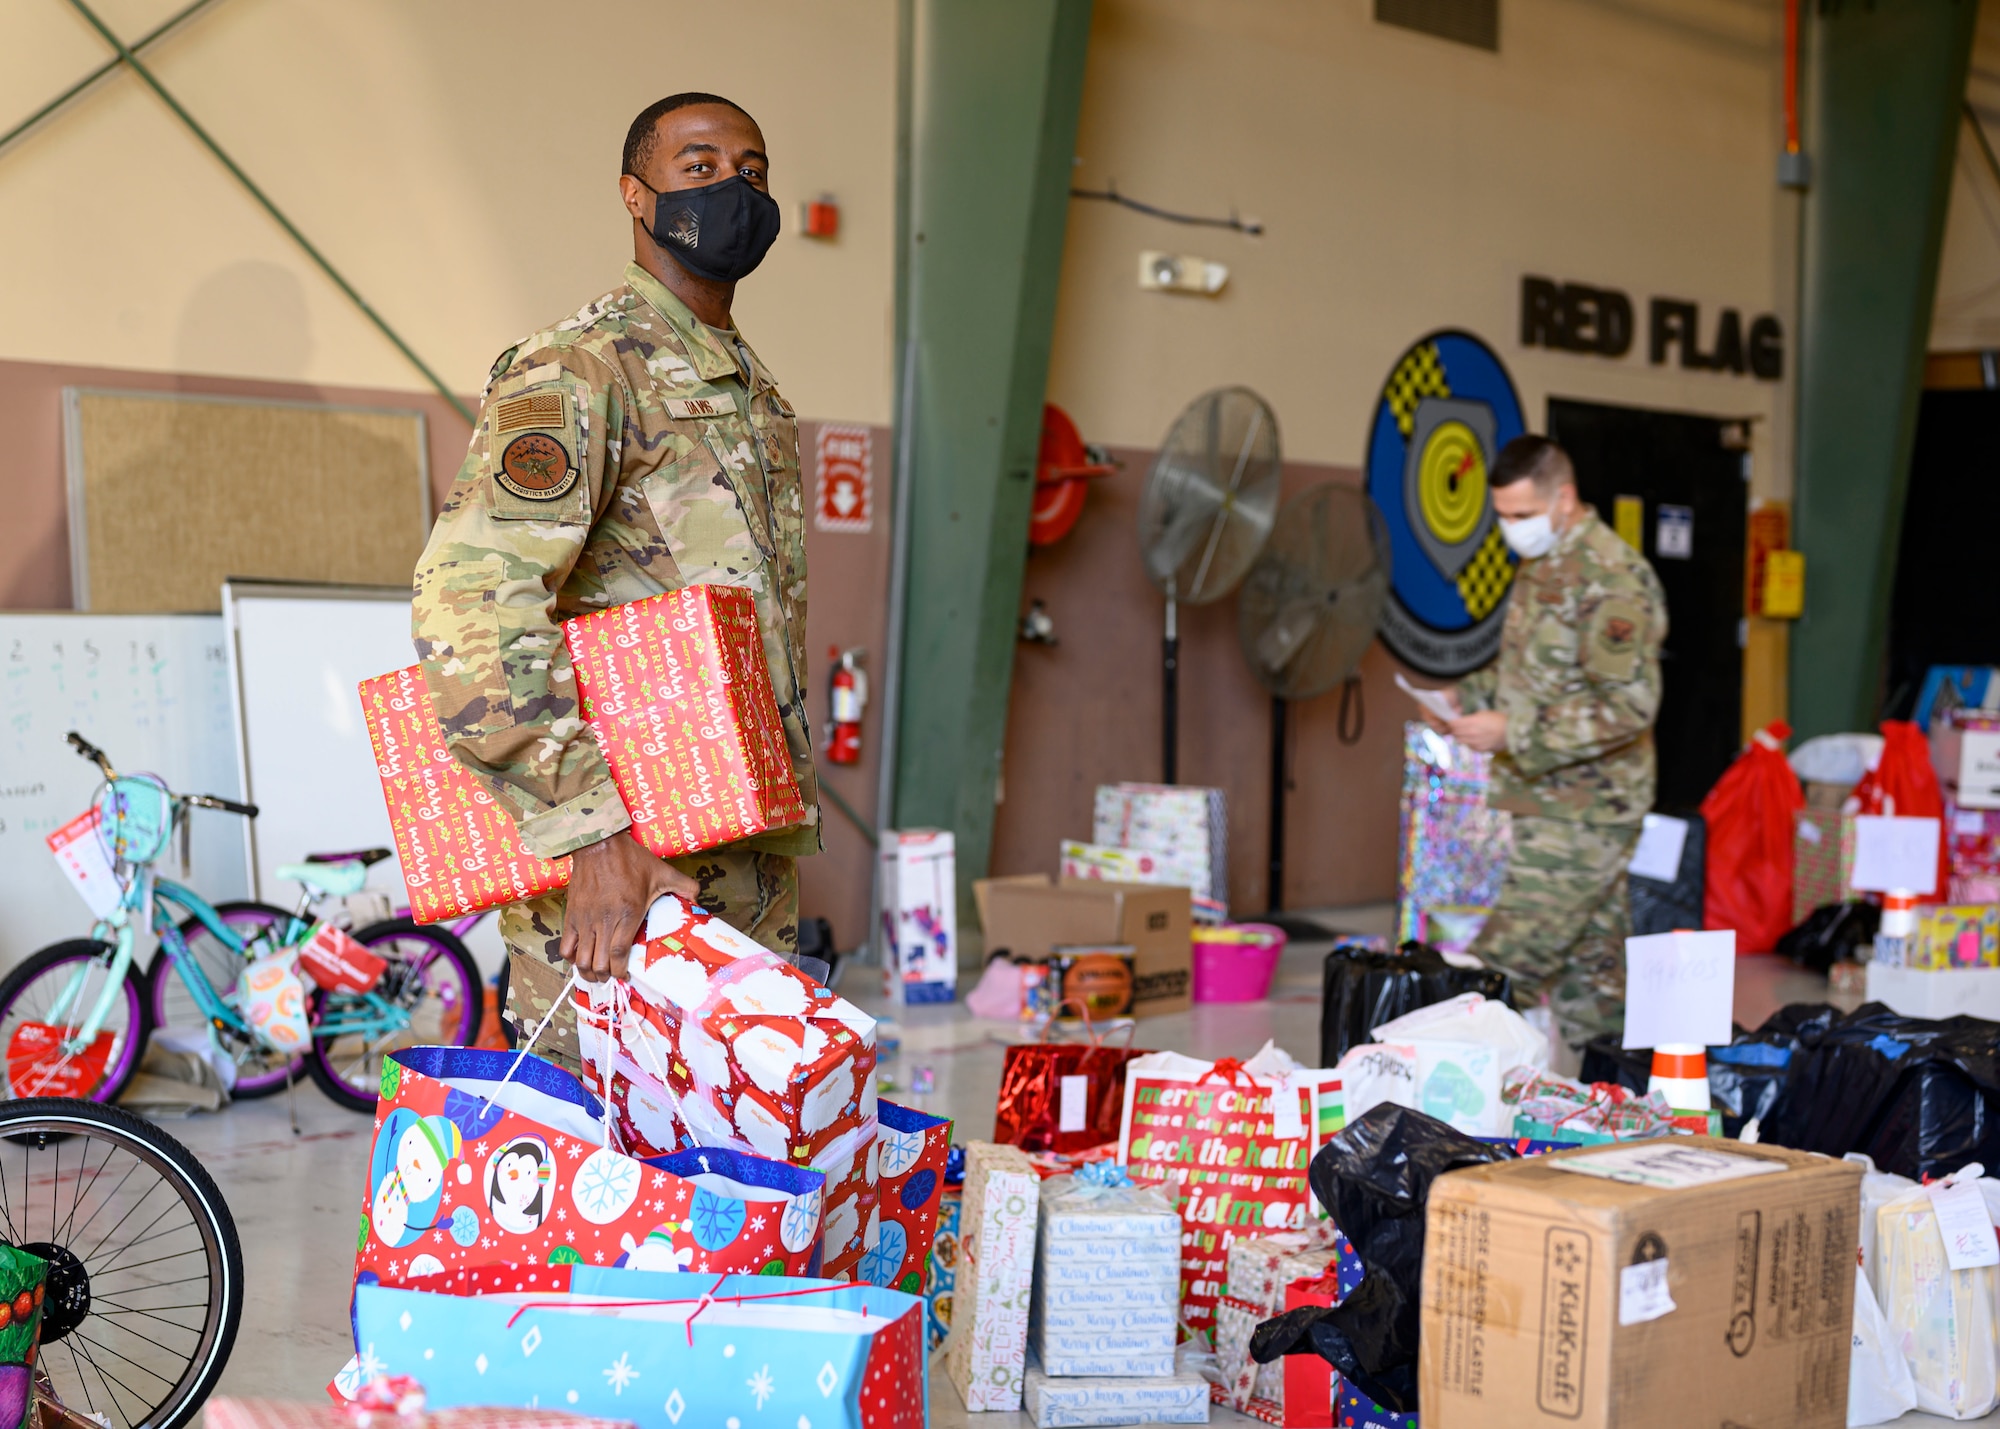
(1529, 537)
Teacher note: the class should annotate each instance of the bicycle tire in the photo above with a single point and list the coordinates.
(162, 980)
(446, 944)
(39, 1123)
(138, 1027)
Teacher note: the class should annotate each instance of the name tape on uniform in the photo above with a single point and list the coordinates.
(684, 407)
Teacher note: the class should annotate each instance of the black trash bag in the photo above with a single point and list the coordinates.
(1661, 907)
(1920, 1097)
(1832, 933)
(1374, 1178)
(1744, 1078)
(1365, 989)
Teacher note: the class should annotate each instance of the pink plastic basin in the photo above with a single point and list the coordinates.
(1236, 961)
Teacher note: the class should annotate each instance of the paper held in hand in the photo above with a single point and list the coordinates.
(1895, 855)
(1436, 701)
(1661, 843)
(1680, 988)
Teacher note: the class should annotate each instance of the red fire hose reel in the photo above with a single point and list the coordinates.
(1062, 474)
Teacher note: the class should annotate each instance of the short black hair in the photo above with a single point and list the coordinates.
(639, 138)
(1530, 458)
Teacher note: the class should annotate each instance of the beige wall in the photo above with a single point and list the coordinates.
(455, 159)
(1407, 184)
(1967, 313)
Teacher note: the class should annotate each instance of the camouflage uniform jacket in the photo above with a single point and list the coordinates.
(1578, 677)
(623, 452)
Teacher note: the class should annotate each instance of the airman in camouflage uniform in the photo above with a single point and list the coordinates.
(627, 450)
(1578, 683)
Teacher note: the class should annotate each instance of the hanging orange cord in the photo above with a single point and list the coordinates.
(1791, 76)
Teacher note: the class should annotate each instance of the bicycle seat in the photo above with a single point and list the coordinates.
(362, 856)
(336, 880)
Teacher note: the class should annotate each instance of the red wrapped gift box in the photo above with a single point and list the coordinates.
(718, 1042)
(679, 696)
(458, 847)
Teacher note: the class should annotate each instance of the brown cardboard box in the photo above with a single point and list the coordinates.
(1530, 1269)
(1030, 917)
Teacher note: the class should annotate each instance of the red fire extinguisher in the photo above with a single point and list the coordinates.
(850, 698)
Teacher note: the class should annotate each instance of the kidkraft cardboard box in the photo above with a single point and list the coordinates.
(1685, 1283)
(917, 871)
(1031, 917)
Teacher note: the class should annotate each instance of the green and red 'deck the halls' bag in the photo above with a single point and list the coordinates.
(1751, 813)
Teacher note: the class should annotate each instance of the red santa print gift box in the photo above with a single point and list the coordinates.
(677, 691)
(719, 1042)
(458, 847)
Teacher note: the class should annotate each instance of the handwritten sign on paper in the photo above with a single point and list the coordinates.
(1969, 1241)
(1680, 987)
(1895, 855)
(1661, 842)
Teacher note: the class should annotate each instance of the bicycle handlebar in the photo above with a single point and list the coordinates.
(91, 752)
(228, 806)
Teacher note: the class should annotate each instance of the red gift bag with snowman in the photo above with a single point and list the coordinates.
(484, 1157)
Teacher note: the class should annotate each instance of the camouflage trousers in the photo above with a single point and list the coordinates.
(757, 893)
(1560, 926)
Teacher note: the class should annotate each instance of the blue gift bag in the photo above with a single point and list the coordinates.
(662, 1349)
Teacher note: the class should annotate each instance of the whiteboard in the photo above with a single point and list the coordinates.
(296, 653)
(152, 691)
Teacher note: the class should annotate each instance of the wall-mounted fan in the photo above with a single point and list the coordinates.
(1206, 510)
(1308, 610)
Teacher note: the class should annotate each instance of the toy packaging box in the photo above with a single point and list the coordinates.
(917, 869)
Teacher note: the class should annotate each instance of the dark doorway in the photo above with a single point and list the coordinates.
(1677, 481)
(1943, 609)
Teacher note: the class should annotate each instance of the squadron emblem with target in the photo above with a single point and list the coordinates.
(1445, 412)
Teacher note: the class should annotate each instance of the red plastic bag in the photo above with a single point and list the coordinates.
(1903, 783)
(1750, 814)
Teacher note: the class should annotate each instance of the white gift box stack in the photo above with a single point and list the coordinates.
(1171, 1399)
(1187, 827)
(1107, 1281)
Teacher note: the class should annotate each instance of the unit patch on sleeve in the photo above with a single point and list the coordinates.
(536, 467)
(720, 405)
(1612, 649)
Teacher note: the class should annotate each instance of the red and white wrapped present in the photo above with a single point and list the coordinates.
(289, 1414)
(677, 690)
(717, 1041)
(458, 847)
(333, 962)
(1260, 1267)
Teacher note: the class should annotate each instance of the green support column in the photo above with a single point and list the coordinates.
(1886, 82)
(997, 90)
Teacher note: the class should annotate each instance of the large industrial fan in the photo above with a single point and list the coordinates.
(1205, 513)
(1309, 608)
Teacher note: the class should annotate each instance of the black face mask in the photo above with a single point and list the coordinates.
(720, 231)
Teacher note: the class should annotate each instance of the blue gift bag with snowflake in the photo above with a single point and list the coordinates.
(662, 1349)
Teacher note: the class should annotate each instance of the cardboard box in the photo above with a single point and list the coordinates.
(1710, 1299)
(1032, 917)
(917, 873)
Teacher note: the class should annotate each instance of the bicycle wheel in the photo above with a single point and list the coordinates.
(431, 980)
(259, 1070)
(30, 992)
(145, 1287)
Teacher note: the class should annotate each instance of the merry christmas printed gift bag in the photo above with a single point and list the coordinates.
(1230, 1141)
(687, 1349)
(456, 1180)
(456, 845)
(678, 693)
(716, 1041)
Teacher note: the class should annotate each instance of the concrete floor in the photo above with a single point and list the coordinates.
(297, 1199)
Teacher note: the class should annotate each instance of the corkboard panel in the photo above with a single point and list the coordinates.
(170, 494)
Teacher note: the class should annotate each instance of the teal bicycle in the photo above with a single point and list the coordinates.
(75, 1017)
